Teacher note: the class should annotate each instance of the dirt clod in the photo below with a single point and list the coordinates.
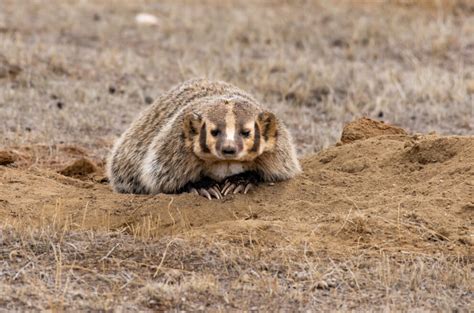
(7, 157)
(364, 128)
(433, 151)
(79, 168)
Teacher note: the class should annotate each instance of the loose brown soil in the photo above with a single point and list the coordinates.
(366, 128)
(396, 195)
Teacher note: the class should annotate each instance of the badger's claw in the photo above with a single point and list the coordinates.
(215, 192)
(243, 188)
(238, 189)
(207, 188)
(240, 183)
(210, 192)
(228, 187)
(203, 192)
(248, 187)
(227, 184)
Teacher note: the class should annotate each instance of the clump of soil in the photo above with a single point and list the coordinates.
(365, 128)
(433, 151)
(79, 169)
(7, 157)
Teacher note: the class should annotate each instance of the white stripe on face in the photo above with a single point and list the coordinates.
(230, 124)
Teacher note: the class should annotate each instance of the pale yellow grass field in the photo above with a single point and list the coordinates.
(317, 64)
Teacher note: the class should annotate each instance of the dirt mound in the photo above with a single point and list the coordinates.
(364, 128)
(386, 193)
(79, 169)
(392, 212)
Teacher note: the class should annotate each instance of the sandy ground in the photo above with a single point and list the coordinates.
(380, 220)
(396, 195)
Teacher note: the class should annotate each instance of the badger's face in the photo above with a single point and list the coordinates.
(230, 130)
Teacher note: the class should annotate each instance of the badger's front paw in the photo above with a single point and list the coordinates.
(240, 183)
(206, 187)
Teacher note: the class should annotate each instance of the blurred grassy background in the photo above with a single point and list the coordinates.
(80, 71)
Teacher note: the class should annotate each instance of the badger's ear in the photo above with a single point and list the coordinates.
(191, 124)
(268, 126)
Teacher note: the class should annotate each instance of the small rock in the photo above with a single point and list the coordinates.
(146, 19)
(148, 100)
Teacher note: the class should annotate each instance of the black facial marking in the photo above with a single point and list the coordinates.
(266, 131)
(202, 139)
(191, 128)
(256, 141)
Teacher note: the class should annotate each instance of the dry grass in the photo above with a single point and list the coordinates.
(87, 69)
(94, 271)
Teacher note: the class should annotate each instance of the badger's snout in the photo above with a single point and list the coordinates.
(229, 149)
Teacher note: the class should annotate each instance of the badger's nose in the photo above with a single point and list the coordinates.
(229, 151)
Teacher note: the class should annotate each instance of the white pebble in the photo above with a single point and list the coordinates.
(146, 19)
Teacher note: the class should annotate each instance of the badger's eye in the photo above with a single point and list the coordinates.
(245, 133)
(215, 132)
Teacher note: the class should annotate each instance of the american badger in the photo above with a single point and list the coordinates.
(202, 136)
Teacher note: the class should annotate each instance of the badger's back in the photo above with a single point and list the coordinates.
(128, 153)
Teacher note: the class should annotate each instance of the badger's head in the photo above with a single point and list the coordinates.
(229, 130)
